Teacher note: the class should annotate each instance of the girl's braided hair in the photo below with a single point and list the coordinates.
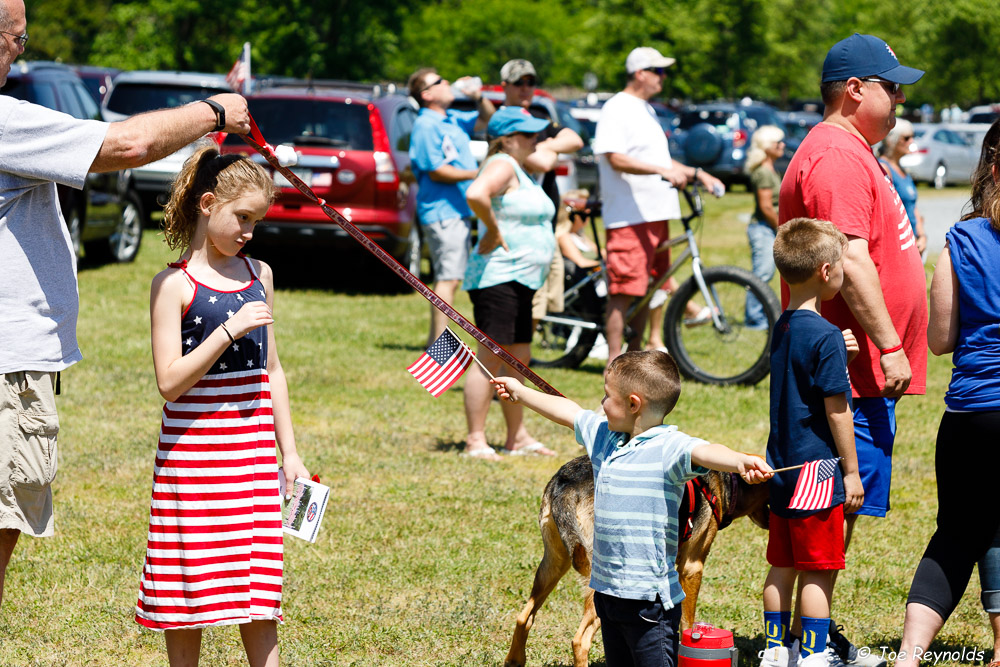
(228, 177)
(985, 200)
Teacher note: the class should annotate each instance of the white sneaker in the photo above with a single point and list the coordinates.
(776, 656)
(600, 348)
(828, 658)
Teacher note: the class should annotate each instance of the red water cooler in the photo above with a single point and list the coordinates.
(705, 645)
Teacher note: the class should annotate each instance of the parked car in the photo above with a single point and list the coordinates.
(542, 105)
(796, 125)
(141, 91)
(986, 113)
(352, 147)
(103, 219)
(940, 155)
(716, 136)
(97, 80)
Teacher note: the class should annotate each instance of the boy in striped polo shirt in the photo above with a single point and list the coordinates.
(640, 467)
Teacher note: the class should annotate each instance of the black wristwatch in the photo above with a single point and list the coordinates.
(220, 114)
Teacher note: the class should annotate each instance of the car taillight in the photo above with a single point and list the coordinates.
(386, 176)
(562, 169)
(739, 138)
(921, 150)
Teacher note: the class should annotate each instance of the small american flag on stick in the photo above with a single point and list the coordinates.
(814, 490)
(442, 364)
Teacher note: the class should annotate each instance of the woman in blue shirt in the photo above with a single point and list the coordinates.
(509, 264)
(895, 145)
(965, 320)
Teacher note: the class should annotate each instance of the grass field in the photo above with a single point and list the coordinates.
(424, 557)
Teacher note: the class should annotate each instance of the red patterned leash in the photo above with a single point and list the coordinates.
(256, 140)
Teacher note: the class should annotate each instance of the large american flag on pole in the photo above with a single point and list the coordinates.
(442, 364)
(814, 490)
(239, 74)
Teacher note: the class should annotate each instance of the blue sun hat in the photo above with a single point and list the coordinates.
(866, 55)
(508, 120)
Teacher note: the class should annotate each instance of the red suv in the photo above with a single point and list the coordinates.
(352, 147)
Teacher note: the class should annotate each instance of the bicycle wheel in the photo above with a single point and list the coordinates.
(565, 340)
(727, 352)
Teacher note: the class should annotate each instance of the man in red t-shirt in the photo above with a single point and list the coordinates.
(835, 176)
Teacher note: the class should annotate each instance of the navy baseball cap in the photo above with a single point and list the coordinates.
(510, 119)
(866, 55)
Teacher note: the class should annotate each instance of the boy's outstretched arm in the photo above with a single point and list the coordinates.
(752, 468)
(558, 409)
(838, 413)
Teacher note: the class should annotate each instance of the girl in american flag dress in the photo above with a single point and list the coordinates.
(214, 553)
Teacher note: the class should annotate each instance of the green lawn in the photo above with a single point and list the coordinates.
(424, 557)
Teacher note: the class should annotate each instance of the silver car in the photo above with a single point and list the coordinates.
(940, 155)
(141, 91)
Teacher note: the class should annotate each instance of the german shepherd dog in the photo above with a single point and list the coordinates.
(566, 520)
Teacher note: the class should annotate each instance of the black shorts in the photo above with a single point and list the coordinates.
(503, 312)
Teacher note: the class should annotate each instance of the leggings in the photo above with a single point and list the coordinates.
(966, 462)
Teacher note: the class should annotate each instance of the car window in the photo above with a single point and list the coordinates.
(132, 98)
(984, 117)
(941, 136)
(719, 118)
(69, 102)
(90, 107)
(918, 133)
(36, 92)
(402, 125)
(761, 117)
(307, 122)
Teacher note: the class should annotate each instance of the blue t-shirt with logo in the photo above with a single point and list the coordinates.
(439, 139)
(808, 363)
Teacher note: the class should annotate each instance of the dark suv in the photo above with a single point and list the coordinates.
(716, 136)
(102, 219)
(352, 148)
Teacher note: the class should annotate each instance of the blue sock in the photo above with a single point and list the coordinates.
(814, 631)
(786, 621)
(776, 627)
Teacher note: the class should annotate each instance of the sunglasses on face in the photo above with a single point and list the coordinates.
(906, 138)
(20, 39)
(891, 87)
(659, 71)
(528, 81)
(431, 85)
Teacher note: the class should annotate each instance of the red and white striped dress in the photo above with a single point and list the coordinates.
(214, 552)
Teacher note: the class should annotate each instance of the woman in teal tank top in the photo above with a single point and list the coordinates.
(510, 262)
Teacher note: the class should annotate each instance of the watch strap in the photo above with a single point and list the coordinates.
(220, 114)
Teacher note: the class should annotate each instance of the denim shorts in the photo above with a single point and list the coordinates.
(28, 455)
(638, 632)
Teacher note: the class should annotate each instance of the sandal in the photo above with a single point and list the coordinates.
(704, 316)
(484, 453)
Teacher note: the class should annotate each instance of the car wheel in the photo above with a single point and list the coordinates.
(940, 176)
(123, 244)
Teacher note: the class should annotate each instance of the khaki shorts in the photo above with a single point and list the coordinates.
(549, 297)
(28, 455)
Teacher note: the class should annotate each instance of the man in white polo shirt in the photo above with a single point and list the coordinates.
(637, 180)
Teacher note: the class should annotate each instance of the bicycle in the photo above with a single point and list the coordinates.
(721, 351)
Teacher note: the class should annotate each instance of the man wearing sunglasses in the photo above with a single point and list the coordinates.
(443, 164)
(638, 180)
(835, 176)
(39, 299)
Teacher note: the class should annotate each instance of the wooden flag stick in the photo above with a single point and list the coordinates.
(475, 358)
(797, 467)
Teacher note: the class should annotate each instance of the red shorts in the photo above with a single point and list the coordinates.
(814, 542)
(632, 259)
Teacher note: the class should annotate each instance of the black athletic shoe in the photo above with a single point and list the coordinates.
(848, 652)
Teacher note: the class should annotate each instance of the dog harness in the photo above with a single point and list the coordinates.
(689, 503)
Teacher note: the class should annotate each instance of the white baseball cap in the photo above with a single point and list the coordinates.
(645, 57)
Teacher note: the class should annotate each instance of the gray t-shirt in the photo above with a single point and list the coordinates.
(39, 299)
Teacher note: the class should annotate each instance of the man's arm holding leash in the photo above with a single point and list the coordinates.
(558, 409)
(752, 468)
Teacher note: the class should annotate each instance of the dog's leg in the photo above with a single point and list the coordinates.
(690, 566)
(584, 637)
(555, 563)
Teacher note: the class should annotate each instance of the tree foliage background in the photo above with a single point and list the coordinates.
(767, 49)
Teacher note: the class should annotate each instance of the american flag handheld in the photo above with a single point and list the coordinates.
(814, 490)
(442, 363)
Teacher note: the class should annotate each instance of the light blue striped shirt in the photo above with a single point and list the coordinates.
(638, 487)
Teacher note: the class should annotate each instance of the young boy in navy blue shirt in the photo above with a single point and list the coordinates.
(811, 420)
(640, 468)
